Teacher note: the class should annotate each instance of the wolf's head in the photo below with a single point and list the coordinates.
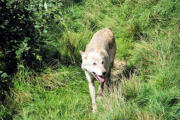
(95, 63)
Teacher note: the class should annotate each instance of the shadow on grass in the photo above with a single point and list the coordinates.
(126, 74)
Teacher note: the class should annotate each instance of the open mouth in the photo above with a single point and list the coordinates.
(98, 77)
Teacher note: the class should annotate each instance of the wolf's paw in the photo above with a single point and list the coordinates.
(99, 98)
(94, 108)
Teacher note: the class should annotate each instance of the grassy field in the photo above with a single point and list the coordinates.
(60, 94)
(147, 37)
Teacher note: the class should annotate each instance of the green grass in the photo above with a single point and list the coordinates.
(60, 94)
(147, 37)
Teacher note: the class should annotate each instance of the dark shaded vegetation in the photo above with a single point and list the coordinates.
(40, 75)
(26, 29)
(18, 41)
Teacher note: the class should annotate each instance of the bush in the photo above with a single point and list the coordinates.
(26, 35)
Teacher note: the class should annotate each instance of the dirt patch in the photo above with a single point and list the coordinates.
(117, 70)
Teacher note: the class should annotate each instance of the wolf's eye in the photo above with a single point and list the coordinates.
(94, 63)
(102, 62)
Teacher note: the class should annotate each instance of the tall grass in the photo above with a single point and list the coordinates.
(147, 37)
(153, 92)
(59, 94)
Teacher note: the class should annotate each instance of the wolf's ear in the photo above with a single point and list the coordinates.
(83, 55)
(81, 52)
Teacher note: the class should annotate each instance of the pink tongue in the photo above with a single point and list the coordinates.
(100, 78)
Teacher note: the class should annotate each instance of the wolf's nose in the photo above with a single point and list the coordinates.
(104, 73)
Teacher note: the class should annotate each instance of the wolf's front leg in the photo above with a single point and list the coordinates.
(108, 80)
(92, 90)
(100, 91)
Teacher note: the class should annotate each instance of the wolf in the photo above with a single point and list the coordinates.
(97, 61)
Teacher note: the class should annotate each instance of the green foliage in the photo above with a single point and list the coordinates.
(26, 31)
(53, 93)
(25, 37)
(46, 33)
